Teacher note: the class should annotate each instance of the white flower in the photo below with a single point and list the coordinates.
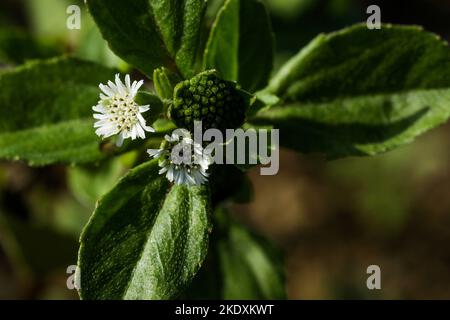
(182, 160)
(118, 113)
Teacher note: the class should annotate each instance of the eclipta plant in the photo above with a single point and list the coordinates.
(165, 225)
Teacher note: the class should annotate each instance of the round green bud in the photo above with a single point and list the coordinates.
(207, 98)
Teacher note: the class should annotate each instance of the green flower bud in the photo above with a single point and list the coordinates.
(207, 98)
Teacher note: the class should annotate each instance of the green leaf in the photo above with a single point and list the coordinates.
(165, 81)
(47, 115)
(142, 242)
(361, 92)
(262, 100)
(251, 267)
(240, 265)
(17, 46)
(241, 45)
(164, 126)
(89, 183)
(152, 33)
(91, 46)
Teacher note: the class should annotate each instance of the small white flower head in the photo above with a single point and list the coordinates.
(117, 112)
(182, 160)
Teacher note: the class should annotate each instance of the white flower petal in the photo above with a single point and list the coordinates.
(180, 177)
(145, 108)
(99, 108)
(140, 131)
(106, 90)
(163, 170)
(134, 133)
(154, 153)
(120, 86)
(100, 116)
(135, 87)
(128, 82)
(141, 119)
(113, 87)
(119, 141)
(190, 179)
(170, 174)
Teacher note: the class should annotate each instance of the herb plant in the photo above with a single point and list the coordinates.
(163, 231)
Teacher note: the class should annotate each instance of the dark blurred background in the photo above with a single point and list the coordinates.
(332, 219)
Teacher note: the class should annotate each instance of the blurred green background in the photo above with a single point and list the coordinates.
(332, 220)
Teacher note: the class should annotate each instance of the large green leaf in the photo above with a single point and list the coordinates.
(46, 111)
(152, 33)
(240, 265)
(360, 91)
(241, 45)
(142, 241)
(250, 266)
